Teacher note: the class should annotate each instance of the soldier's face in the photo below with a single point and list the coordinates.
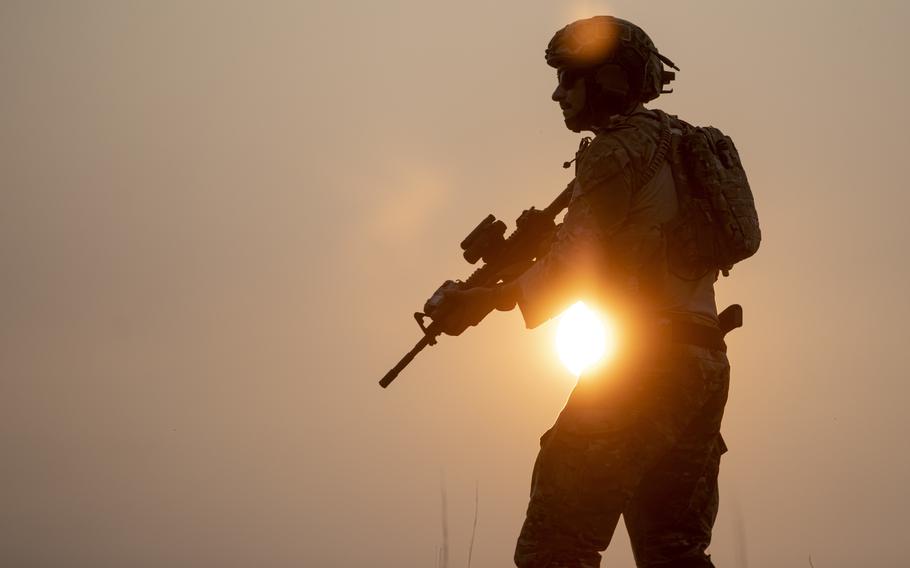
(571, 96)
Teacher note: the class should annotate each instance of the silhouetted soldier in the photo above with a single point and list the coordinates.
(654, 202)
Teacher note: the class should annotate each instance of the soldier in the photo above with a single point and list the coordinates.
(640, 437)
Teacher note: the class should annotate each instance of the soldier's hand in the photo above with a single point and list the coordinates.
(461, 309)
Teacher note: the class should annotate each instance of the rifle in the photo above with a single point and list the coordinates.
(504, 259)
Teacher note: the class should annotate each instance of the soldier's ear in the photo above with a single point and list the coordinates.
(613, 80)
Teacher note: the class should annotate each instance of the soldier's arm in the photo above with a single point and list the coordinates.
(599, 206)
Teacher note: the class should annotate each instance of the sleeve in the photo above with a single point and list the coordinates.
(599, 206)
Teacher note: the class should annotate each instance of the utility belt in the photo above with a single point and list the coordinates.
(690, 333)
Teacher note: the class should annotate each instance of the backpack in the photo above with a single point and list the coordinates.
(717, 224)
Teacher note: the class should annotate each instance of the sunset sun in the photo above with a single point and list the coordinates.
(582, 338)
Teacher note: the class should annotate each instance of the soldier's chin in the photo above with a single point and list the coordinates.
(577, 123)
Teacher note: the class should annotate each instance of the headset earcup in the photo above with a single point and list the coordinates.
(613, 81)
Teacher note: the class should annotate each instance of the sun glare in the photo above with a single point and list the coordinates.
(582, 338)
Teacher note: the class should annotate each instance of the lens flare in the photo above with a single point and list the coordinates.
(582, 338)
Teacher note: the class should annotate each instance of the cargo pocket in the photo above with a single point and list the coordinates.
(701, 510)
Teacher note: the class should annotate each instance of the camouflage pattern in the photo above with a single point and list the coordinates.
(641, 439)
(586, 44)
(611, 247)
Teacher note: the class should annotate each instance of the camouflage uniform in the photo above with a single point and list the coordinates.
(642, 437)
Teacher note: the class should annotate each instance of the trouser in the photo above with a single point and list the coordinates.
(642, 440)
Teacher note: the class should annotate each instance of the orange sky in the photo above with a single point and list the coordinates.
(217, 218)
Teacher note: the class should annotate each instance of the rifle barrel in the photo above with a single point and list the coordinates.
(409, 356)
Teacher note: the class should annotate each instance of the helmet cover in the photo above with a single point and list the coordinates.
(585, 45)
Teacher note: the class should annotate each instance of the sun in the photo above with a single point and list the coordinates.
(583, 338)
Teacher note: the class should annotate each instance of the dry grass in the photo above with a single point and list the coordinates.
(442, 552)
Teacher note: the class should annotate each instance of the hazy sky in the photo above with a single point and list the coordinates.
(217, 217)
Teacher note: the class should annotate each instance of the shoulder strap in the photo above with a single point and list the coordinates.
(660, 155)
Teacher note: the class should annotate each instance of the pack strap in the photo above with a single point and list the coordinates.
(660, 155)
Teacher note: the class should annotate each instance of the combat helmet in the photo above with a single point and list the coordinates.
(595, 45)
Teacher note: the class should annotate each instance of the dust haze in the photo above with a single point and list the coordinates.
(217, 217)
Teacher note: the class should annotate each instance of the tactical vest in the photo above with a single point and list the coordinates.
(717, 224)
